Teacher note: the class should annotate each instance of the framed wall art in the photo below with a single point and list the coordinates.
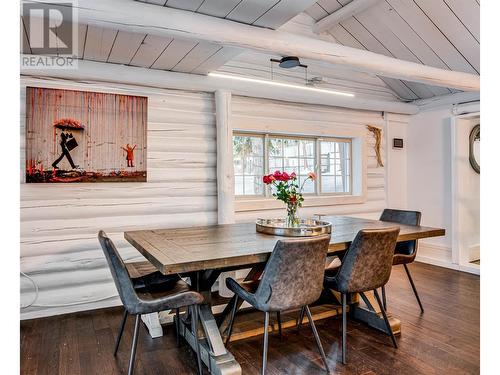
(80, 136)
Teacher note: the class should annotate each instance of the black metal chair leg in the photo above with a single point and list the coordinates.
(134, 344)
(278, 316)
(231, 321)
(266, 340)
(344, 328)
(301, 317)
(316, 336)
(384, 300)
(413, 287)
(120, 334)
(177, 327)
(194, 328)
(386, 320)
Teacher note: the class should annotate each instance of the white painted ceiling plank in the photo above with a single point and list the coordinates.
(468, 12)
(344, 37)
(125, 47)
(383, 12)
(157, 2)
(191, 5)
(200, 53)
(370, 43)
(316, 12)
(302, 24)
(282, 12)
(150, 49)
(424, 27)
(217, 8)
(394, 45)
(247, 11)
(347, 11)
(82, 38)
(399, 88)
(421, 90)
(25, 44)
(99, 42)
(329, 5)
(221, 57)
(454, 30)
(174, 53)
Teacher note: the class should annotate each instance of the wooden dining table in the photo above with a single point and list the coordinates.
(203, 253)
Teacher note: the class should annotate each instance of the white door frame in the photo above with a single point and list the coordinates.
(459, 253)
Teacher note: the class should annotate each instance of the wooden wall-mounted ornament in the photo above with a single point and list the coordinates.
(377, 134)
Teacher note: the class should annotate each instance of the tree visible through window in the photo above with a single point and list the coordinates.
(256, 154)
(248, 158)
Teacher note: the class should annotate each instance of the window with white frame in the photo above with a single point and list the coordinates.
(255, 155)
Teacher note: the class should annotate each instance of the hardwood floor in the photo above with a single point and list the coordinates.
(444, 340)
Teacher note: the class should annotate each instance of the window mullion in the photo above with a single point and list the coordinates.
(317, 182)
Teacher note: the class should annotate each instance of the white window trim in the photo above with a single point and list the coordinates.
(358, 180)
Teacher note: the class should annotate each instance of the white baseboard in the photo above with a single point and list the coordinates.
(436, 262)
(41, 312)
(440, 255)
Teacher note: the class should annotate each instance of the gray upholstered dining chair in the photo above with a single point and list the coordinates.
(293, 277)
(179, 295)
(406, 251)
(365, 266)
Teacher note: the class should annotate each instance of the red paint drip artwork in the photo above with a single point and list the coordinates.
(78, 136)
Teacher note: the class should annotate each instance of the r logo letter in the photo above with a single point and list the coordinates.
(55, 20)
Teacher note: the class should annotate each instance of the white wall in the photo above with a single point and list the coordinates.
(59, 222)
(397, 160)
(429, 182)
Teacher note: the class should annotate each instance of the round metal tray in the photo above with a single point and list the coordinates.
(306, 227)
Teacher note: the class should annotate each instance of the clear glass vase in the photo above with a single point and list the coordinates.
(292, 220)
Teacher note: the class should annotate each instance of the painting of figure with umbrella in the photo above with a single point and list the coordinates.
(80, 136)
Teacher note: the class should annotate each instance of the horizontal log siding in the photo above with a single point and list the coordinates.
(59, 223)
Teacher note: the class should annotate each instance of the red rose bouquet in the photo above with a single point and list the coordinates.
(289, 192)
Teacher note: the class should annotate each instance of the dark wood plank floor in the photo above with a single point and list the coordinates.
(444, 340)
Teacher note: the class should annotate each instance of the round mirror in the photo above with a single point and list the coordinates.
(474, 150)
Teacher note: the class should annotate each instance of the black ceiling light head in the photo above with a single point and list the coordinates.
(288, 62)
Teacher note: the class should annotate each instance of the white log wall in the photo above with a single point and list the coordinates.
(278, 117)
(59, 222)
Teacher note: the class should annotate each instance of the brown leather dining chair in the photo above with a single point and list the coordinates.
(365, 266)
(406, 251)
(176, 296)
(292, 278)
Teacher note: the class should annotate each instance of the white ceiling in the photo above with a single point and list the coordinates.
(180, 55)
(439, 33)
(265, 13)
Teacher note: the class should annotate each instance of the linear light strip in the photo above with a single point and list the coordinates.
(281, 84)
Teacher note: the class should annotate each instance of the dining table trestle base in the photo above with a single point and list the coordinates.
(372, 316)
(222, 364)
